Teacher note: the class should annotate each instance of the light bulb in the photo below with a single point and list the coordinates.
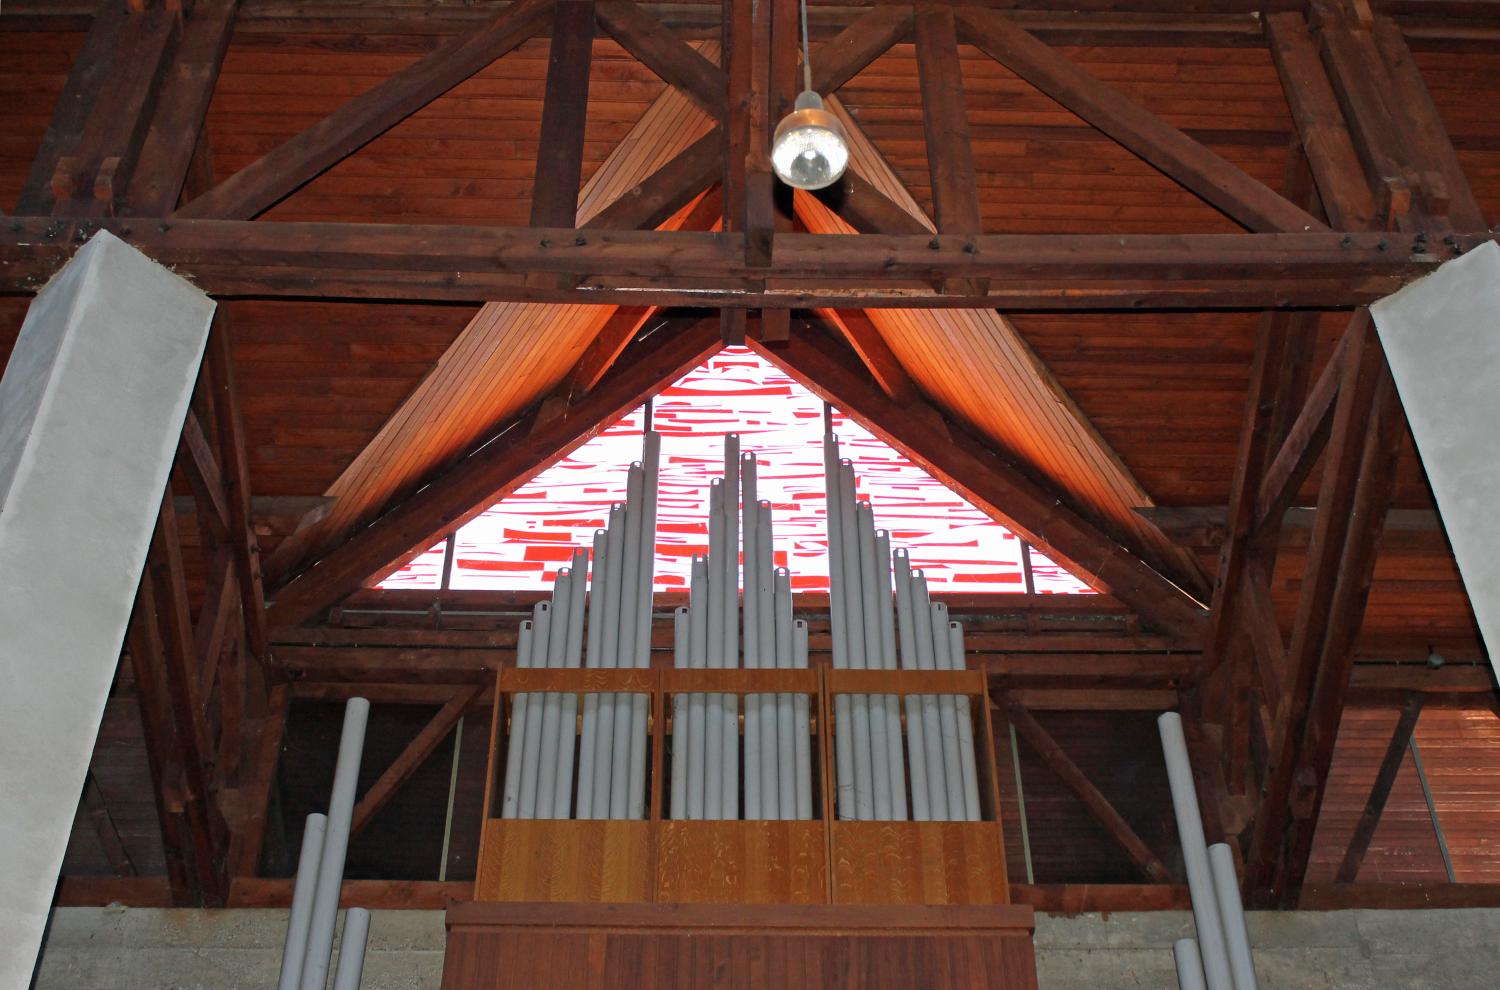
(809, 150)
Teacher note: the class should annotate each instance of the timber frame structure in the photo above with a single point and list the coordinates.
(702, 249)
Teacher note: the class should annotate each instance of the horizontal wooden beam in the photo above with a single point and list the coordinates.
(1202, 527)
(684, 268)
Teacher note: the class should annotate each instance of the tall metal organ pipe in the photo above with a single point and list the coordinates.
(601, 620)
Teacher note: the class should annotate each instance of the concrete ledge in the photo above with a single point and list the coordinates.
(140, 948)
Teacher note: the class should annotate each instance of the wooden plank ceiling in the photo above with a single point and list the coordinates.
(338, 396)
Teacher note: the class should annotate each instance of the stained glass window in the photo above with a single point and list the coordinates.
(519, 542)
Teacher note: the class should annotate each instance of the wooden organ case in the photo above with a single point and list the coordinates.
(702, 823)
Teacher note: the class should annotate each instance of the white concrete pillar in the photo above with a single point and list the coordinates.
(91, 407)
(1442, 338)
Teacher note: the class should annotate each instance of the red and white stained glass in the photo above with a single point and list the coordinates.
(521, 541)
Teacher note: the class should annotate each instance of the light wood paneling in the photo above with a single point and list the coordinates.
(918, 863)
(551, 860)
(750, 862)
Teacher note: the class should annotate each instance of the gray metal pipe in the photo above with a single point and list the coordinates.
(294, 951)
(1189, 965)
(1232, 916)
(352, 949)
(325, 907)
(1195, 855)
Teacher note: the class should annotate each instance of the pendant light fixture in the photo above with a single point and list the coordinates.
(809, 150)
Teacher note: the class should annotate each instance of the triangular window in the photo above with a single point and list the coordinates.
(518, 543)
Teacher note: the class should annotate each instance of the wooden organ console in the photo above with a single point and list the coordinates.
(738, 808)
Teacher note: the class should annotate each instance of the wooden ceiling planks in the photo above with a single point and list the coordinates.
(507, 358)
(975, 364)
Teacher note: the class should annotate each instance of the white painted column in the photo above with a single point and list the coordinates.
(91, 407)
(1442, 338)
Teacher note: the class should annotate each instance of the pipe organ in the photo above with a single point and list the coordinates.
(741, 771)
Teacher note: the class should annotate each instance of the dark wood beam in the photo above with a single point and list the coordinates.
(866, 208)
(681, 268)
(1036, 514)
(945, 122)
(659, 196)
(177, 748)
(92, 176)
(229, 425)
(75, 104)
(516, 454)
(1448, 190)
(1372, 111)
(97, 811)
(665, 53)
(1075, 780)
(559, 166)
(845, 55)
(1320, 123)
(1220, 183)
(1381, 444)
(1204, 527)
(412, 757)
(1304, 442)
(280, 172)
(1352, 502)
(202, 470)
(1380, 791)
(167, 152)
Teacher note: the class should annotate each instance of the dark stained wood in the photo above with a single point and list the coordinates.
(1305, 440)
(412, 757)
(559, 172)
(845, 55)
(168, 150)
(664, 53)
(91, 179)
(261, 185)
(1380, 792)
(229, 424)
(1039, 517)
(1443, 176)
(867, 209)
(649, 204)
(1365, 93)
(1398, 896)
(1352, 503)
(1267, 271)
(1067, 771)
(104, 827)
(84, 84)
(1073, 899)
(1356, 566)
(1190, 163)
(524, 945)
(1320, 123)
(203, 474)
(950, 160)
(477, 481)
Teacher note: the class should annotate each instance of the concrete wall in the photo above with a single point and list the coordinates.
(137, 948)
